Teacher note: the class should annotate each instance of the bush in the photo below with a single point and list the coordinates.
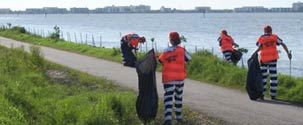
(19, 29)
(56, 34)
(36, 57)
(115, 52)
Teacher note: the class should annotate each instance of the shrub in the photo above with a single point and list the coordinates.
(19, 29)
(36, 57)
(56, 34)
(115, 52)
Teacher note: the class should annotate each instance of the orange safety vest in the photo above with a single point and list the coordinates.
(226, 43)
(173, 65)
(132, 41)
(269, 48)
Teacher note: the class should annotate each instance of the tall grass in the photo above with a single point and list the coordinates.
(112, 54)
(29, 94)
(209, 68)
(203, 67)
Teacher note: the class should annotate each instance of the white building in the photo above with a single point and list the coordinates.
(203, 9)
(280, 10)
(5, 11)
(79, 10)
(34, 11)
(165, 10)
(251, 9)
(54, 10)
(297, 7)
(140, 9)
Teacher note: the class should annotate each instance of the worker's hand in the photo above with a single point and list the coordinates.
(156, 56)
(236, 45)
(289, 56)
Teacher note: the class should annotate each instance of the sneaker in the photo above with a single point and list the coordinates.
(167, 122)
(181, 122)
(262, 97)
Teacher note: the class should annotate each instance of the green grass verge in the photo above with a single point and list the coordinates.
(34, 91)
(204, 66)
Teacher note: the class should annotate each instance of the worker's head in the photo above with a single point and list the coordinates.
(267, 29)
(174, 38)
(223, 31)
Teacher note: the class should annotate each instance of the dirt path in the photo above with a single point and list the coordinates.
(229, 105)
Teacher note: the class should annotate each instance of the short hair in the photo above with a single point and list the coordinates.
(267, 29)
(174, 38)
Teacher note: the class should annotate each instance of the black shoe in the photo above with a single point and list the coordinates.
(181, 122)
(273, 98)
(167, 122)
(262, 97)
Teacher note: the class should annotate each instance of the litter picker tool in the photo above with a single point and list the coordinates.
(290, 64)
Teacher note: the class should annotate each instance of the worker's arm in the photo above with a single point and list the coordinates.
(219, 40)
(259, 48)
(235, 44)
(259, 45)
(286, 50)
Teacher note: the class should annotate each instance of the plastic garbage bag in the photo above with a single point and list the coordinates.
(236, 56)
(147, 100)
(254, 83)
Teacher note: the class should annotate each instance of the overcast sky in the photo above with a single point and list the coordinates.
(155, 4)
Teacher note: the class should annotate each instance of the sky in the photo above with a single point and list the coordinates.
(155, 4)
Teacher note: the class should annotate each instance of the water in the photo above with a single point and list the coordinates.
(201, 31)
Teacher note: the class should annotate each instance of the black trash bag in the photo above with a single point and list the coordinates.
(254, 83)
(236, 56)
(147, 100)
(128, 57)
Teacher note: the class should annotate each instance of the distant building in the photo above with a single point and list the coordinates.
(34, 11)
(297, 7)
(140, 9)
(98, 10)
(5, 11)
(124, 9)
(79, 10)
(54, 10)
(165, 10)
(203, 9)
(251, 9)
(111, 9)
(280, 10)
(221, 11)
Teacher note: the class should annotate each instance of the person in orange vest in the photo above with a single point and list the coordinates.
(226, 42)
(174, 60)
(130, 42)
(267, 46)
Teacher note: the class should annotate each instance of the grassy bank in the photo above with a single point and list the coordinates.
(209, 68)
(204, 66)
(34, 91)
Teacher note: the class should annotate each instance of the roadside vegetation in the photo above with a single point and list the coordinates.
(204, 67)
(36, 92)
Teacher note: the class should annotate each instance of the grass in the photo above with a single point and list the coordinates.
(209, 68)
(204, 66)
(34, 91)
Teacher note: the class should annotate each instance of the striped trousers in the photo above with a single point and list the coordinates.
(172, 90)
(272, 68)
(227, 55)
